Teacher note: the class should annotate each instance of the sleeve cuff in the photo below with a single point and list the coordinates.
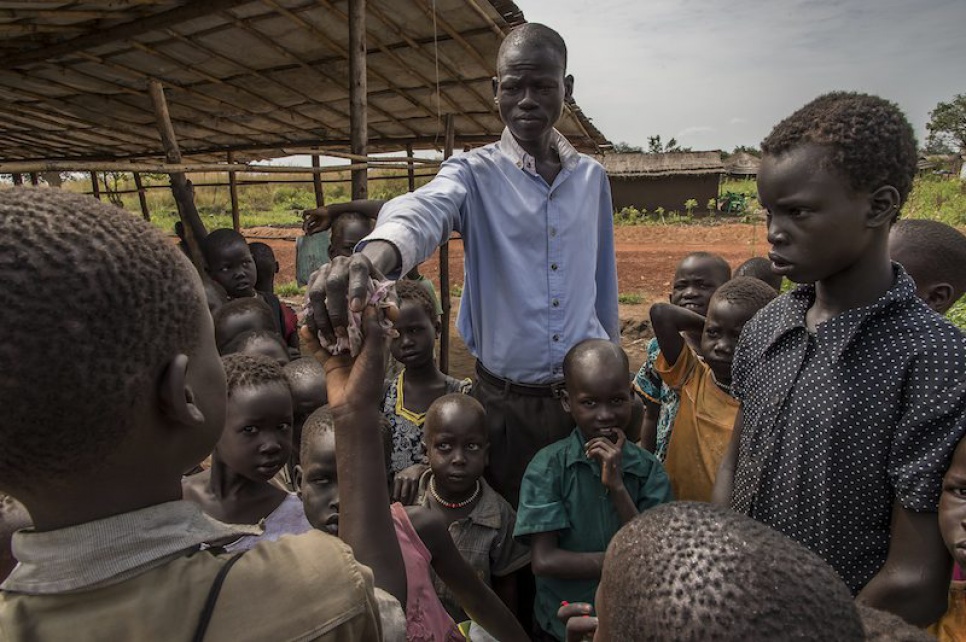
(401, 238)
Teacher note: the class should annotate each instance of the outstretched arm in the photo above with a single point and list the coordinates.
(724, 483)
(549, 560)
(669, 321)
(476, 598)
(914, 581)
(355, 390)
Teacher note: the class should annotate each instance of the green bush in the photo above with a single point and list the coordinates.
(957, 314)
(290, 289)
(630, 299)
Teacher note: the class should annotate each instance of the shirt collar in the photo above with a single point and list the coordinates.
(846, 324)
(113, 549)
(511, 148)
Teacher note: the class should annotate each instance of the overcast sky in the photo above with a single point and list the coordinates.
(715, 74)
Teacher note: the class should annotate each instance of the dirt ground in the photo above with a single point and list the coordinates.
(646, 257)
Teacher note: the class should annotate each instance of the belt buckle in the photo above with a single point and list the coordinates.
(558, 390)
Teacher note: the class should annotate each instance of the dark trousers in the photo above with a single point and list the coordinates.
(521, 420)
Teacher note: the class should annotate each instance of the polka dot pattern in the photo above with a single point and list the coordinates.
(842, 423)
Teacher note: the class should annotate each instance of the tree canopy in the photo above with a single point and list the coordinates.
(947, 124)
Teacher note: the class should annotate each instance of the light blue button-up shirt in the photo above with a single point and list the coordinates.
(539, 263)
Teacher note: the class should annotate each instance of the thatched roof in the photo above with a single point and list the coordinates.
(257, 77)
(742, 164)
(666, 164)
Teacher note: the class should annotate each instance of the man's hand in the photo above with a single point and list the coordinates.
(608, 454)
(577, 618)
(405, 486)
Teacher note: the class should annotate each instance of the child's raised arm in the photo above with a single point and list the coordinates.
(475, 597)
(320, 219)
(355, 391)
(669, 321)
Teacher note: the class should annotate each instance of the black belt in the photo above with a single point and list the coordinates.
(526, 389)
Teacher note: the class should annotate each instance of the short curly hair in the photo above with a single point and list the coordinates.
(937, 252)
(249, 371)
(262, 316)
(241, 342)
(219, 239)
(754, 584)
(93, 302)
(745, 291)
(869, 139)
(407, 290)
(758, 267)
(881, 626)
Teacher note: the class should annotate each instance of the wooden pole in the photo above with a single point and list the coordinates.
(34, 179)
(17, 178)
(95, 187)
(194, 229)
(444, 265)
(411, 172)
(142, 199)
(317, 183)
(153, 167)
(233, 192)
(358, 87)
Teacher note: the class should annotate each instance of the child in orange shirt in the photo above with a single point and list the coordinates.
(704, 422)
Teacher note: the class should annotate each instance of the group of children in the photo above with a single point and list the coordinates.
(201, 467)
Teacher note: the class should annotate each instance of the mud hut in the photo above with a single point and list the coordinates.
(742, 165)
(668, 180)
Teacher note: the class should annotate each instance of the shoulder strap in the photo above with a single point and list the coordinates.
(213, 593)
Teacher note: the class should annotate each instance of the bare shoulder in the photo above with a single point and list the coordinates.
(193, 486)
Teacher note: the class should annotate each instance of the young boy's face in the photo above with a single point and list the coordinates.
(233, 268)
(695, 280)
(318, 483)
(458, 451)
(598, 396)
(817, 224)
(257, 440)
(346, 236)
(413, 347)
(531, 89)
(952, 506)
(722, 327)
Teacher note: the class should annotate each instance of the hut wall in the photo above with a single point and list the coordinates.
(669, 192)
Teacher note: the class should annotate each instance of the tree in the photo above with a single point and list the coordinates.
(655, 146)
(627, 148)
(947, 124)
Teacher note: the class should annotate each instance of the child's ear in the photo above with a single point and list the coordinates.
(939, 297)
(297, 480)
(565, 400)
(178, 400)
(496, 88)
(883, 206)
(568, 86)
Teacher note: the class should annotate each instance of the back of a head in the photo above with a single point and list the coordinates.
(745, 291)
(933, 252)
(257, 342)
(93, 301)
(257, 313)
(346, 219)
(692, 571)
(265, 263)
(881, 626)
(759, 267)
(868, 138)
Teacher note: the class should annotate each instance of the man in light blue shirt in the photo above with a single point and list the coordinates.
(536, 219)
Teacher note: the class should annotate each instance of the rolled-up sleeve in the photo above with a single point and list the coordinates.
(541, 508)
(418, 222)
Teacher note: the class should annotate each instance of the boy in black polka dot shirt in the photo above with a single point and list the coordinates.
(853, 392)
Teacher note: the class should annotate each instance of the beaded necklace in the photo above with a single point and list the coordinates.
(445, 504)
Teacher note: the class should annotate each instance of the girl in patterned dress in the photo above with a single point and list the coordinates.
(419, 384)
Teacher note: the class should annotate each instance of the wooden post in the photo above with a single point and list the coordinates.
(17, 178)
(444, 265)
(233, 192)
(95, 187)
(194, 229)
(141, 197)
(358, 88)
(411, 170)
(34, 179)
(317, 182)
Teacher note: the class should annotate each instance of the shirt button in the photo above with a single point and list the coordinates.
(776, 400)
(556, 303)
(556, 337)
(553, 231)
(553, 266)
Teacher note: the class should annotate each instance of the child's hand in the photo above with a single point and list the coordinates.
(317, 220)
(405, 486)
(577, 617)
(608, 454)
(353, 381)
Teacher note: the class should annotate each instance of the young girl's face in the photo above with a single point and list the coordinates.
(417, 336)
(318, 483)
(952, 506)
(257, 440)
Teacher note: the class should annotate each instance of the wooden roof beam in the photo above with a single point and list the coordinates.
(124, 31)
